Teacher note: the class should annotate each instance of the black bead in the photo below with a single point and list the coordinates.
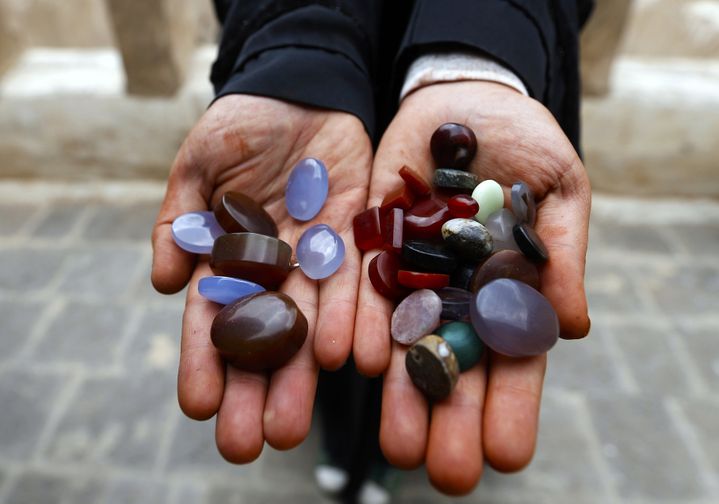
(530, 243)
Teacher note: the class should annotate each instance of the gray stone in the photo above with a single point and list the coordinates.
(681, 289)
(134, 491)
(455, 179)
(18, 319)
(233, 495)
(59, 221)
(36, 487)
(703, 346)
(156, 343)
(609, 289)
(470, 239)
(699, 240)
(123, 222)
(704, 417)
(100, 272)
(636, 239)
(28, 269)
(14, 218)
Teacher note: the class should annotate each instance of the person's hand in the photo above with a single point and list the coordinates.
(492, 414)
(250, 144)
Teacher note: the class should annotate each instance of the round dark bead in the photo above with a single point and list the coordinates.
(530, 243)
(453, 146)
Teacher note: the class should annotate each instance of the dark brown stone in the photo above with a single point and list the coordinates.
(433, 367)
(505, 264)
(249, 256)
(238, 213)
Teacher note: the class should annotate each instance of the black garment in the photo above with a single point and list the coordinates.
(352, 55)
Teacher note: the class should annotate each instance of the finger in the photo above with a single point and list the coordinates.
(454, 452)
(239, 433)
(288, 409)
(200, 379)
(511, 416)
(403, 426)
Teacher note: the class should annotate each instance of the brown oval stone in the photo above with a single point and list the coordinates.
(238, 213)
(259, 332)
(250, 256)
(433, 367)
(505, 264)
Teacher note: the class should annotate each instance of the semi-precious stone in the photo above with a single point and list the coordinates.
(383, 272)
(448, 178)
(467, 346)
(453, 145)
(261, 259)
(462, 206)
(455, 303)
(416, 182)
(393, 230)
(307, 189)
(424, 220)
(432, 366)
(501, 226)
(428, 256)
(367, 229)
(490, 197)
(462, 276)
(320, 251)
(421, 280)
(259, 332)
(416, 316)
(238, 213)
(523, 204)
(505, 264)
(196, 232)
(226, 290)
(514, 319)
(402, 197)
(468, 238)
(530, 243)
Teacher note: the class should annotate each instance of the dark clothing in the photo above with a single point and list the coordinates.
(352, 55)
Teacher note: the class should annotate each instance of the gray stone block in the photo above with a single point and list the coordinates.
(156, 344)
(100, 272)
(235, 495)
(59, 221)
(123, 222)
(34, 487)
(609, 289)
(28, 269)
(14, 218)
(640, 239)
(699, 240)
(17, 318)
(133, 491)
(704, 417)
(703, 346)
(681, 289)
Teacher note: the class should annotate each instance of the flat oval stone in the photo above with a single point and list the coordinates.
(455, 303)
(468, 238)
(307, 189)
(465, 343)
(226, 290)
(416, 316)
(514, 319)
(432, 366)
(530, 243)
(490, 197)
(320, 251)
(506, 264)
(259, 332)
(428, 256)
(261, 259)
(448, 178)
(383, 272)
(424, 220)
(523, 204)
(453, 145)
(196, 232)
(238, 213)
(462, 206)
(420, 280)
(367, 229)
(462, 276)
(501, 226)
(416, 182)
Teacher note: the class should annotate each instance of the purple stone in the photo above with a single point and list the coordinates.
(455, 303)
(501, 225)
(523, 205)
(226, 290)
(307, 189)
(196, 231)
(514, 319)
(416, 316)
(320, 251)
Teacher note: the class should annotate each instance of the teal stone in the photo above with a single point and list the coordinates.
(465, 343)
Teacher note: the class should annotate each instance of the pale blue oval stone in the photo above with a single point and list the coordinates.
(320, 251)
(307, 189)
(226, 290)
(196, 231)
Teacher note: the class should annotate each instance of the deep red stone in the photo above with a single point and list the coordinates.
(393, 225)
(453, 146)
(424, 220)
(417, 280)
(462, 206)
(367, 228)
(402, 197)
(416, 182)
(383, 275)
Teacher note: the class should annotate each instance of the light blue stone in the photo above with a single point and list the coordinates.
(226, 290)
(320, 251)
(196, 231)
(307, 189)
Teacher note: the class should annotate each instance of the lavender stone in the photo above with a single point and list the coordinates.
(307, 189)
(501, 226)
(416, 316)
(196, 231)
(514, 319)
(226, 290)
(523, 205)
(455, 303)
(320, 251)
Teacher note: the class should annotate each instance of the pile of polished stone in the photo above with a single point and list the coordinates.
(260, 329)
(464, 267)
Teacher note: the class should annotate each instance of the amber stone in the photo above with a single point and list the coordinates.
(383, 270)
(367, 227)
(402, 197)
(420, 280)
(505, 264)
(238, 213)
(530, 243)
(462, 206)
(424, 220)
(432, 366)
(393, 225)
(250, 256)
(453, 146)
(260, 332)
(416, 182)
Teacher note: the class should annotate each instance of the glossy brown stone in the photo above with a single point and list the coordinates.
(250, 256)
(416, 182)
(505, 264)
(433, 367)
(238, 213)
(260, 332)
(424, 220)
(453, 146)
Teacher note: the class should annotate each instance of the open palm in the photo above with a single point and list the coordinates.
(492, 414)
(250, 144)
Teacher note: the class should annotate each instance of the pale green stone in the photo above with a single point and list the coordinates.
(490, 197)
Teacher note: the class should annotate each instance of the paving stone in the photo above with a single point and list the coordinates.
(14, 218)
(115, 421)
(636, 239)
(84, 333)
(40, 488)
(18, 319)
(647, 458)
(59, 221)
(100, 272)
(121, 222)
(232, 495)
(28, 269)
(704, 417)
(699, 240)
(133, 491)
(703, 346)
(190, 491)
(609, 289)
(156, 344)
(682, 289)
(26, 401)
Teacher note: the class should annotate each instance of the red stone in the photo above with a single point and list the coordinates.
(402, 198)
(367, 228)
(424, 220)
(416, 182)
(417, 280)
(383, 275)
(462, 206)
(393, 224)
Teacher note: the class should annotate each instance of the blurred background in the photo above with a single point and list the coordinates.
(95, 99)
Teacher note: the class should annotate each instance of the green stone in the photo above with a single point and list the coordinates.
(465, 343)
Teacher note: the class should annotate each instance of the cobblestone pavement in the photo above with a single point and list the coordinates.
(88, 358)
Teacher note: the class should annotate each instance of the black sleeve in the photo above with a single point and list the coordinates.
(318, 53)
